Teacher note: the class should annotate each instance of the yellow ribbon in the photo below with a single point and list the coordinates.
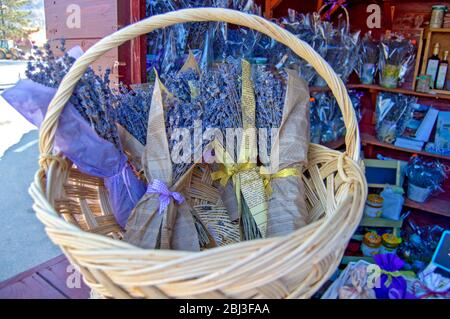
(232, 171)
(399, 273)
(267, 178)
(228, 171)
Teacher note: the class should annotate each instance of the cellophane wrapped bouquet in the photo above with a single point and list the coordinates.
(326, 120)
(337, 45)
(392, 114)
(397, 55)
(367, 64)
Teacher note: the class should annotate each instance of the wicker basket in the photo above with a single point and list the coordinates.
(293, 266)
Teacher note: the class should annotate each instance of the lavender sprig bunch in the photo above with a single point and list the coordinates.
(214, 98)
(220, 95)
(133, 109)
(92, 97)
(182, 111)
(181, 114)
(181, 83)
(270, 91)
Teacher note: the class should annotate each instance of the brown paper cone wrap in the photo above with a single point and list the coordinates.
(131, 146)
(287, 206)
(174, 228)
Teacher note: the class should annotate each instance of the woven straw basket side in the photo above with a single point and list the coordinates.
(293, 266)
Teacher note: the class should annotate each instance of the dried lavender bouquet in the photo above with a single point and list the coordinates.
(93, 97)
(177, 113)
(132, 110)
(326, 116)
(134, 103)
(162, 219)
(335, 44)
(86, 133)
(282, 109)
(183, 112)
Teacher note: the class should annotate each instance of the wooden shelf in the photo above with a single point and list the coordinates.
(318, 89)
(336, 143)
(372, 140)
(380, 222)
(349, 259)
(435, 205)
(378, 88)
(440, 30)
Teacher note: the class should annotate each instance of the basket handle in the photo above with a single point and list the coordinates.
(302, 49)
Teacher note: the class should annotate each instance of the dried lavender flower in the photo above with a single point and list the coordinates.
(270, 91)
(92, 97)
(133, 109)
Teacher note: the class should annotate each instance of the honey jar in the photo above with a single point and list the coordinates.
(390, 242)
(371, 244)
(374, 205)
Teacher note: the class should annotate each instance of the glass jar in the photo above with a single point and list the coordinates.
(374, 205)
(437, 16)
(390, 243)
(389, 76)
(371, 244)
(368, 73)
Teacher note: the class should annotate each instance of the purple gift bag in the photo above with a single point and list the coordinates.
(393, 284)
(77, 140)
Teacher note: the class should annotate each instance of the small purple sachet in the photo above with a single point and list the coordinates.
(77, 140)
(393, 284)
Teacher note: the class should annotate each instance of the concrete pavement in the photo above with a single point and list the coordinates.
(23, 241)
(11, 72)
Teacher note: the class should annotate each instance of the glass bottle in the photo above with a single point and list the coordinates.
(433, 64)
(442, 72)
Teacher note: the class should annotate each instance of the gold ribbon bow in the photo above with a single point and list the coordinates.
(228, 171)
(267, 178)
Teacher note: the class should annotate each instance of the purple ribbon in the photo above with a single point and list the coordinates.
(127, 182)
(160, 188)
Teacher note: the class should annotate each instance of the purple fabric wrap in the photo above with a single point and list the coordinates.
(77, 140)
(397, 289)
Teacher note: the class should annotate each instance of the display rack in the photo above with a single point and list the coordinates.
(430, 37)
(376, 223)
(370, 140)
(372, 146)
(436, 204)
